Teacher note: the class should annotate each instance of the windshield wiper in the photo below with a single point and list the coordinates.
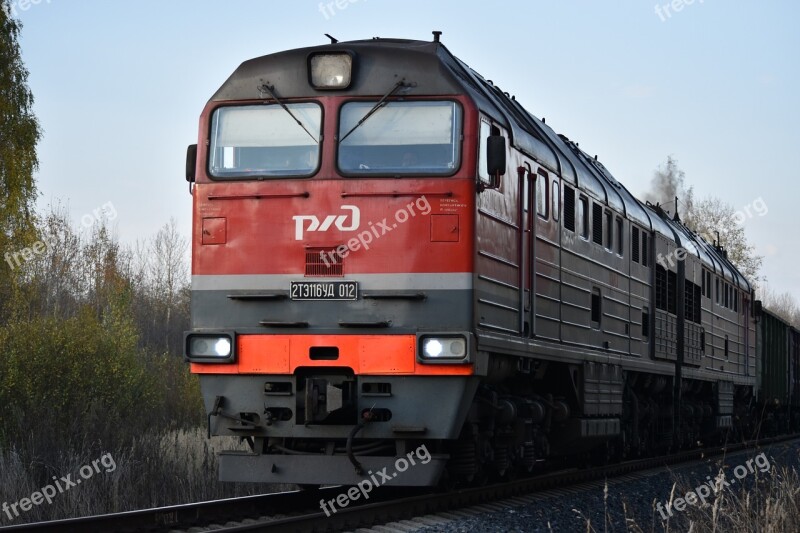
(269, 90)
(380, 104)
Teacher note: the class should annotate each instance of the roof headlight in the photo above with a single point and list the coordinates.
(331, 70)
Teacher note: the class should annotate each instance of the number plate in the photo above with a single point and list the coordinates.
(324, 290)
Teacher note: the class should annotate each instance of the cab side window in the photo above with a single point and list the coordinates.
(541, 194)
(483, 174)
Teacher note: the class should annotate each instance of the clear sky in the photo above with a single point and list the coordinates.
(119, 87)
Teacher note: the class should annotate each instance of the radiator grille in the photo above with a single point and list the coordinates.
(569, 208)
(324, 263)
(597, 223)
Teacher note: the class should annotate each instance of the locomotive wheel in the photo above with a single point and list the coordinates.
(481, 477)
(615, 449)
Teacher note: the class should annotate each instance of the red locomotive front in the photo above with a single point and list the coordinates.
(332, 262)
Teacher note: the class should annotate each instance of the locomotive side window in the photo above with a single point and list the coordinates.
(583, 217)
(483, 173)
(619, 236)
(264, 140)
(705, 284)
(556, 200)
(398, 138)
(703, 278)
(541, 194)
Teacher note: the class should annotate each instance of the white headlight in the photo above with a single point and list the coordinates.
(444, 348)
(209, 346)
(433, 347)
(223, 347)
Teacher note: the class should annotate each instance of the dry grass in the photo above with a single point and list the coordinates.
(152, 471)
(768, 502)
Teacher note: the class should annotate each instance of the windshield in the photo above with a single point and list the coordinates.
(264, 140)
(400, 138)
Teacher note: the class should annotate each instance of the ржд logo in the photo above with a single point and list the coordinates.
(330, 220)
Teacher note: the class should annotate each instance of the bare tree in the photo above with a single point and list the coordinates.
(714, 220)
(58, 270)
(169, 276)
(73, 269)
(782, 304)
(718, 223)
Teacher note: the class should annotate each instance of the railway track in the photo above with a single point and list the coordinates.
(299, 511)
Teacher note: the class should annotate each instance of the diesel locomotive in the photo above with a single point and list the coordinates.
(390, 252)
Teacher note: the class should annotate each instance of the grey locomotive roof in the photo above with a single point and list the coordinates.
(431, 69)
(712, 258)
(386, 60)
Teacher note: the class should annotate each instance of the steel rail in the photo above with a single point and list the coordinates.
(299, 511)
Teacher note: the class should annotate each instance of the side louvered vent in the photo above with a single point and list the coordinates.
(324, 263)
(569, 208)
(597, 223)
(645, 251)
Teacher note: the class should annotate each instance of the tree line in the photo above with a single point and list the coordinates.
(90, 330)
(719, 223)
